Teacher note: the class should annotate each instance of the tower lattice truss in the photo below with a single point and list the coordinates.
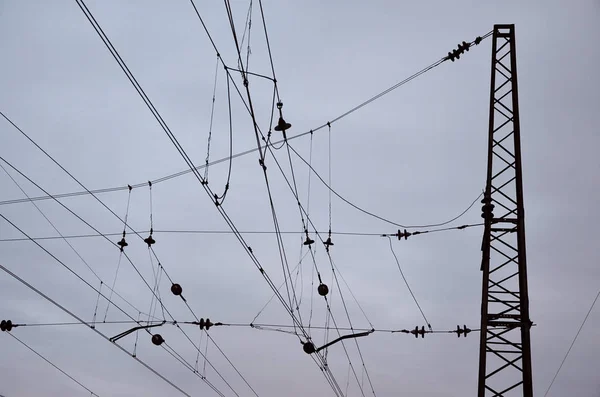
(505, 354)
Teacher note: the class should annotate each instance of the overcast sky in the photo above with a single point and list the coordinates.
(416, 156)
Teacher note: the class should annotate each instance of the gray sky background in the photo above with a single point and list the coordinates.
(416, 156)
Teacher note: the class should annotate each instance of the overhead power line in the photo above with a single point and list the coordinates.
(572, 343)
(408, 286)
(354, 234)
(153, 291)
(54, 365)
(177, 145)
(67, 311)
(375, 215)
(257, 326)
(240, 154)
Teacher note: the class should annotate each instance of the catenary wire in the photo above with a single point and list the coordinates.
(98, 29)
(93, 288)
(173, 140)
(258, 326)
(327, 372)
(282, 254)
(62, 237)
(40, 293)
(259, 149)
(93, 228)
(407, 285)
(377, 216)
(303, 212)
(355, 234)
(572, 343)
(249, 151)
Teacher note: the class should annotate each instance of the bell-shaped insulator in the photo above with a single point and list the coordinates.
(176, 289)
(282, 125)
(122, 244)
(157, 339)
(308, 347)
(149, 240)
(328, 243)
(323, 289)
(308, 241)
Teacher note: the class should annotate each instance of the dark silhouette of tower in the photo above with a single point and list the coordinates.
(505, 351)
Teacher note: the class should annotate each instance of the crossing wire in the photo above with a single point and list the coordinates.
(240, 154)
(99, 292)
(97, 231)
(98, 29)
(61, 236)
(355, 234)
(253, 325)
(327, 372)
(43, 295)
(175, 142)
(303, 213)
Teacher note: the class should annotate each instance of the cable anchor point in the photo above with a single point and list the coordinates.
(150, 240)
(122, 243)
(309, 241)
(282, 125)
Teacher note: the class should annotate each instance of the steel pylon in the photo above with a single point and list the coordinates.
(505, 350)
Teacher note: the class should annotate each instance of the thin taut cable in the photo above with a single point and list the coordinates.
(51, 363)
(64, 309)
(120, 255)
(249, 151)
(371, 213)
(408, 286)
(572, 343)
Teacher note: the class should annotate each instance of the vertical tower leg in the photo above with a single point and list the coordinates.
(505, 351)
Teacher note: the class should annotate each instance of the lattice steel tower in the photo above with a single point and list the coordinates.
(505, 351)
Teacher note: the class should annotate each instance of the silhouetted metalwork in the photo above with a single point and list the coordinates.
(323, 289)
(505, 352)
(6, 325)
(308, 240)
(132, 330)
(122, 243)
(405, 234)
(176, 289)
(157, 339)
(462, 331)
(282, 125)
(150, 240)
(461, 48)
(416, 332)
(205, 324)
(310, 348)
